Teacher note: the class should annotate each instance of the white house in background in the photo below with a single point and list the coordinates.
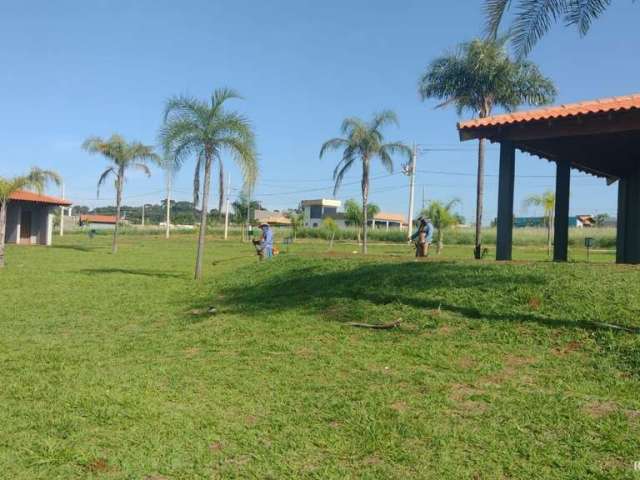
(314, 211)
(30, 218)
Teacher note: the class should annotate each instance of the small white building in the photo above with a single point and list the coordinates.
(389, 221)
(314, 211)
(30, 218)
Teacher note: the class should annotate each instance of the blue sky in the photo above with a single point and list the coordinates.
(71, 69)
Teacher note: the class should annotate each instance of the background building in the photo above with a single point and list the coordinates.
(30, 218)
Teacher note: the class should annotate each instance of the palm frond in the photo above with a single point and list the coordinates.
(196, 179)
(333, 144)
(142, 167)
(533, 20)
(386, 117)
(582, 12)
(494, 12)
(103, 178)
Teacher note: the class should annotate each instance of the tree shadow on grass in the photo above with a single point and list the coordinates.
(475, 291)
(77, 248)
(127, 271)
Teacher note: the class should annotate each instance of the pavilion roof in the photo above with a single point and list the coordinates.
(599, 137)
(603, 105)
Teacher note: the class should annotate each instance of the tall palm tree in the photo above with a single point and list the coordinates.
(478, 77)
(547, 201)
(363, 141)
(534, 18)
(123, 156)
(207, 129)
(442, 216)
(36, 179)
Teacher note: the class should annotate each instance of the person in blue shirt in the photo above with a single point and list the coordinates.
(266, 242)
(423, 237)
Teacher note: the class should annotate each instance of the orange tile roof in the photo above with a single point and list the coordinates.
(25, 196)
(98, 218)
(390, 217)
(603, 105)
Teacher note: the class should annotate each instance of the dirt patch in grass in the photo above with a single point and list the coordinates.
(534, 303)
(399, 406)
(466, 363)
(461, 395)
(99, 465)
(215, 446)
(598, 409)
(567, 349)
(512, 367)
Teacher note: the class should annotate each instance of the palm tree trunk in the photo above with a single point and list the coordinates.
(440, 240)
(365, 201)
(3, 228)
(203, 215)
(167, 231)
(221, 190)
(479, 199)
(119, 182)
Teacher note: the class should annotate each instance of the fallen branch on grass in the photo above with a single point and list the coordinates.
(382, 326)
(617, 327)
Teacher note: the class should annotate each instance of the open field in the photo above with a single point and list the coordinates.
(112, 366)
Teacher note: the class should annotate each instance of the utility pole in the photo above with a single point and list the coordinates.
(226, 210)
(410, 170)
(62, 214)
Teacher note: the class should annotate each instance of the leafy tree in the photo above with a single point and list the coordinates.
(207, 129)
(123, 155)
(534, 18)
(353, 214)
(242, 206)
(442, 216)
(478, 77)
(601, 218)
(36, 179)
(364, 142)
(297, 222)
(547, 201)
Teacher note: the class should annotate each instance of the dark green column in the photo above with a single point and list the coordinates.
(506, 179)
(622, 221)
(561, 220)
(628, 241)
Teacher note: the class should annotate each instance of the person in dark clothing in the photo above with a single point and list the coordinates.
(423, 237)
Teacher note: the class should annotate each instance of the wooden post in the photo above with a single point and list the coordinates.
(561, 220)
(506, 180)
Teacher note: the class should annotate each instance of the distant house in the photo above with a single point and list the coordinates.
(389, 221)
(98, 222)
(314, 211)
(30, 218)
(276, 219)
(577, 221)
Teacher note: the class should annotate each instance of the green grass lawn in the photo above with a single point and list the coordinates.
(112, 367)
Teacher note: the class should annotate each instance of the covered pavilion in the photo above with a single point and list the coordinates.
(599, 137)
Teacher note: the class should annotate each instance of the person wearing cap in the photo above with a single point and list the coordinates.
(423, 237)
(266, 242)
